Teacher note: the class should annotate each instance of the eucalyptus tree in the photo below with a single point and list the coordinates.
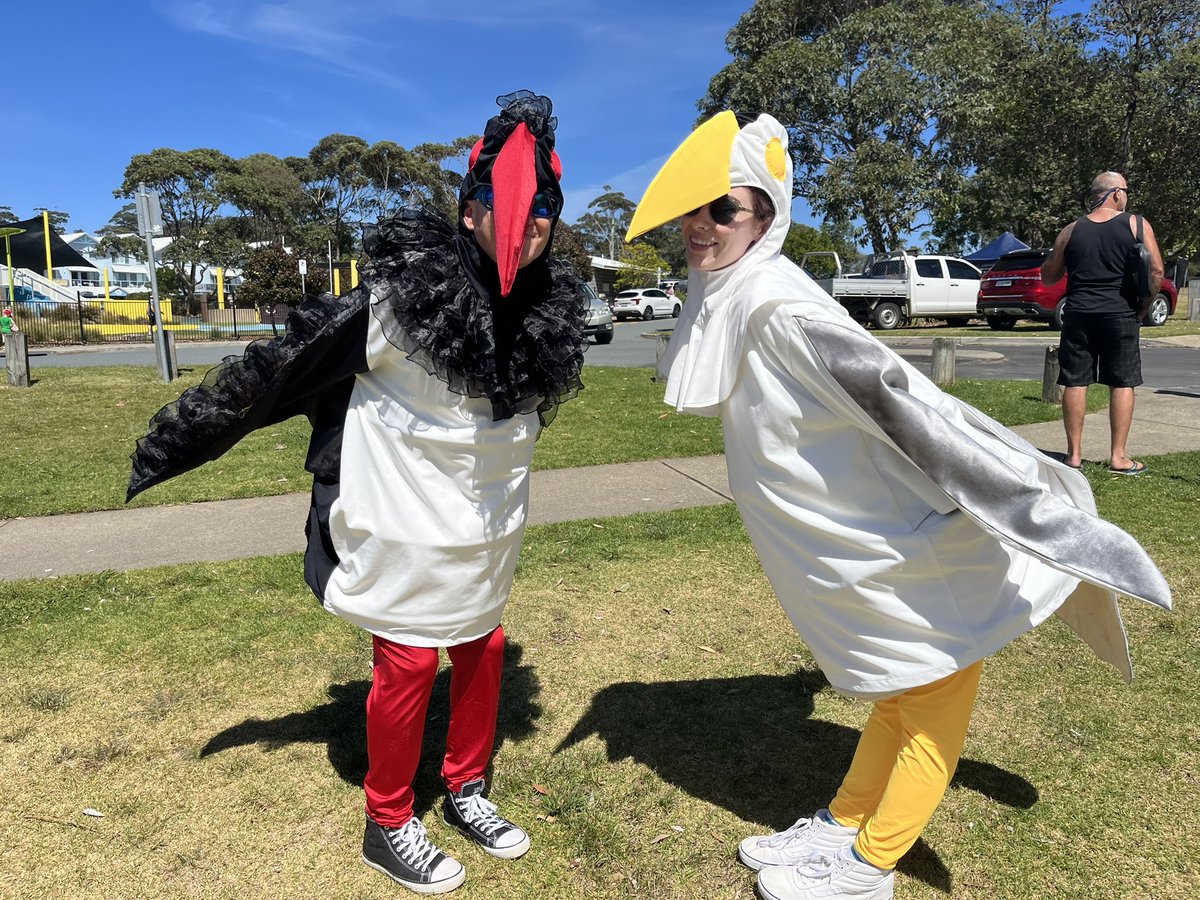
(1025, 129)
(858, 84)
(333, 180)
(406, 179)
(1148, 51)
(267, 195)
(604, 225)
(188, 184)
(58, 218)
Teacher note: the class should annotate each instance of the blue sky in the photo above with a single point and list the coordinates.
(245, 76)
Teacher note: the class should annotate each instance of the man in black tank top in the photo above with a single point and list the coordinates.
(1102, 316)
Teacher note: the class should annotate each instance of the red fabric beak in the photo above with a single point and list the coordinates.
(514, 182)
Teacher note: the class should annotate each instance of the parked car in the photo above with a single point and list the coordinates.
(645, 303)
(599, 321)
(1012, 289)
(896, 288)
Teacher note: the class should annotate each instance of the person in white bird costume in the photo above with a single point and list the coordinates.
(907, 535)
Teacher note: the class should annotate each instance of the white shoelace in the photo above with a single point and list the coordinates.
(823, 867)
(786, 837)
(480, 813)
(411, 843)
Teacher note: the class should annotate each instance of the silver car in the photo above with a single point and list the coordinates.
(599, 322)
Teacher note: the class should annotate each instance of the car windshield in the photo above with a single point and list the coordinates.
(625, 295)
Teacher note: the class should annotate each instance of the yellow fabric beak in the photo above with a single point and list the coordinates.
(696, 173)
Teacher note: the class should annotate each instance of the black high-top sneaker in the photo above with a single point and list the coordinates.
(475, 816)
(407, 856)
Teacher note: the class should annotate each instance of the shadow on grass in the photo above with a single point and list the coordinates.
(750, 745)
(341, 724)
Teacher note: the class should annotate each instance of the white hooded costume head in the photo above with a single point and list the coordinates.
(718, 156)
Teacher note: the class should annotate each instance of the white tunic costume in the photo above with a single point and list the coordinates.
(906, 534)
(428, 530)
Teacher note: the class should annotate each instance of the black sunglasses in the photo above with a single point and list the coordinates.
(544, 206)
(723, 210)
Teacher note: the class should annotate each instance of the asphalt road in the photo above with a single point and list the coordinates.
(1163, 365)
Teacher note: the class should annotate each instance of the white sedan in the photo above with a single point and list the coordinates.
(645, 303)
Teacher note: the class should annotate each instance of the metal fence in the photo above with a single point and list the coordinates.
(94, 321)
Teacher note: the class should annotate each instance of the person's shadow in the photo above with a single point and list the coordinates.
(750, 745)
(341, 724)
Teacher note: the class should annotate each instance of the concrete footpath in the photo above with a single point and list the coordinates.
(1165, 421)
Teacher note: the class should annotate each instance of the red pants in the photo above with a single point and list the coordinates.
(396, 706)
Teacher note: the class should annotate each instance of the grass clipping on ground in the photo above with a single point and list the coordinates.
(198, 731)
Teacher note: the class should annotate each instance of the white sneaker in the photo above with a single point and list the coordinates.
(808, 837)
(843, 876)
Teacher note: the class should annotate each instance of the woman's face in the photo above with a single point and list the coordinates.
(711, 246)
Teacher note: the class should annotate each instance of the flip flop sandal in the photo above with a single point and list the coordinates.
(1135, 469)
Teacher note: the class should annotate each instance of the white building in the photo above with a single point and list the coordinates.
(129, 273)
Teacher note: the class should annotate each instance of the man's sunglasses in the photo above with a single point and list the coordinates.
(723, 210)
(544, 206)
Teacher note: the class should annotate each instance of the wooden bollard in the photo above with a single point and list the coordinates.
(942, 369)
(16, 356)
(1051, 389)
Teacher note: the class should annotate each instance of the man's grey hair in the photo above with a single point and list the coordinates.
(1101, 185)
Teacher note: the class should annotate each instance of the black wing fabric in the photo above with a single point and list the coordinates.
(276, 379)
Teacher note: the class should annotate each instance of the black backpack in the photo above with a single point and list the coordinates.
(1137, 266)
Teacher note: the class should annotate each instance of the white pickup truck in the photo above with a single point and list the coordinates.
(896, 288)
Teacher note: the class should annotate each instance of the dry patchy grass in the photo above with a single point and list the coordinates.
(657, 708)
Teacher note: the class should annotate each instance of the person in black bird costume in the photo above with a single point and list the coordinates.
(426, 388)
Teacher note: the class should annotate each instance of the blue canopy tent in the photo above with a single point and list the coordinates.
(985, 257)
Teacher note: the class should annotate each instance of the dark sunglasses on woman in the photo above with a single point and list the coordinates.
(545, 205)
(723, 210)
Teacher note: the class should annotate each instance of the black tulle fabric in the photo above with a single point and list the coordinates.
(271, 381)
(432, 291)
(437, 298)
(536, 112)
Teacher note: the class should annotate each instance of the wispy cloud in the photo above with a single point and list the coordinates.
(316, 29)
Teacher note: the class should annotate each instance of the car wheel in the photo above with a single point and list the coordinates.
(1056, 322)
(605, 338)
(648, 313)
(886, 316)
(1159, 310)
(1002, 323)
(675, 310)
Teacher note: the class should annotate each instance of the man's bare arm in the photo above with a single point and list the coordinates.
(1055, 267)
(1156, 265)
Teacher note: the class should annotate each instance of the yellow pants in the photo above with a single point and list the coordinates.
(905, 759)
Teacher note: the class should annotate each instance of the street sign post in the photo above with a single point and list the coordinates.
(149, 220)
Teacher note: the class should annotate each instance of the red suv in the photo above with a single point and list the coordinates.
(1012, 289)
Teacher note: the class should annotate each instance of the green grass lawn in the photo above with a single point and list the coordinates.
(657, 708)
(67, 439)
